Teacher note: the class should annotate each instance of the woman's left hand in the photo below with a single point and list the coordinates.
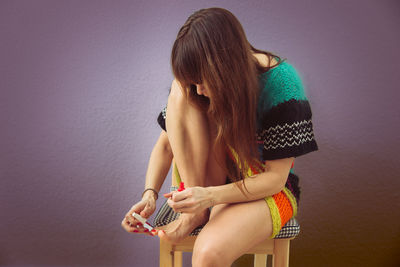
(190, 200)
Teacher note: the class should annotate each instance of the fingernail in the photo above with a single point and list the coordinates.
(146, 230)
(135, 231)
(139, 223)
(154, 230)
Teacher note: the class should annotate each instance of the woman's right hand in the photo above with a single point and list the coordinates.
(145, 208)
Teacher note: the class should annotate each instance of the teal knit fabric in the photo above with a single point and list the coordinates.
(278, 85)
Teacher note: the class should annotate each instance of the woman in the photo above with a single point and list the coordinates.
(236, 119)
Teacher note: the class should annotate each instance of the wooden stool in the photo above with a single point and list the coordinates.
(171, 255)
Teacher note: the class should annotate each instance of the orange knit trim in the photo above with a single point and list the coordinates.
(284, 206)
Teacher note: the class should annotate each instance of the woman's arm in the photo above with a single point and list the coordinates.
(157, 170)
(259, 186)
(159, 164)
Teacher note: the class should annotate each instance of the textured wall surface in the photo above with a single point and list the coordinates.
(82, 83)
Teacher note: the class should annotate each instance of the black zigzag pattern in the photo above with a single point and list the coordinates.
(293, 134)
(287, 130)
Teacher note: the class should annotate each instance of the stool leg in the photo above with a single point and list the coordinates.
(166, 254)
(280, 258)
(260, 260)
(178, 259)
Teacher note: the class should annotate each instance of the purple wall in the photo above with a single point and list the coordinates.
(82, 83)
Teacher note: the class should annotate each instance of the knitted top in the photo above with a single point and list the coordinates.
(284, 125)
(284, 115)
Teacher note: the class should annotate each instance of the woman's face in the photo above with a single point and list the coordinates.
(201, 90)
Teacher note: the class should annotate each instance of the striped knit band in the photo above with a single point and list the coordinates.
(282, 207)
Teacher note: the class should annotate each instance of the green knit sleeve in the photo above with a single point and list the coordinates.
(285, 128)
(280, 84)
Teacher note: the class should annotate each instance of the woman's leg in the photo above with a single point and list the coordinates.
(192, 142)
(191, 137)
(230, 232)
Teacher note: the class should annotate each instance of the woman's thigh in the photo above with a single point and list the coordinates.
(231, 231)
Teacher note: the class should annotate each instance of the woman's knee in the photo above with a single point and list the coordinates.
(181, 111)
(209, 255)
(176, 100)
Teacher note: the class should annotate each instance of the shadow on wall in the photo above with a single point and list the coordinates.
(348, 210)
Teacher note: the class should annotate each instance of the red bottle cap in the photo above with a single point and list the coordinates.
(181, 187)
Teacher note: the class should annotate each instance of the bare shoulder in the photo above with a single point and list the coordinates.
(264, 60)
(177, 94)
(176, 89)
(176, 99)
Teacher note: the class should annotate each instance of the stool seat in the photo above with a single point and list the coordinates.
(166, 215)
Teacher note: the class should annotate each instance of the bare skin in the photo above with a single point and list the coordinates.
(159, 164)
(238, 227)
(190, 134)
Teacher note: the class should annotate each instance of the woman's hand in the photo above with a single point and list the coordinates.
(145, 208)
(190, 200)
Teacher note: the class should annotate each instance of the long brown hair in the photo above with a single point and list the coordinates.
(212, 49)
